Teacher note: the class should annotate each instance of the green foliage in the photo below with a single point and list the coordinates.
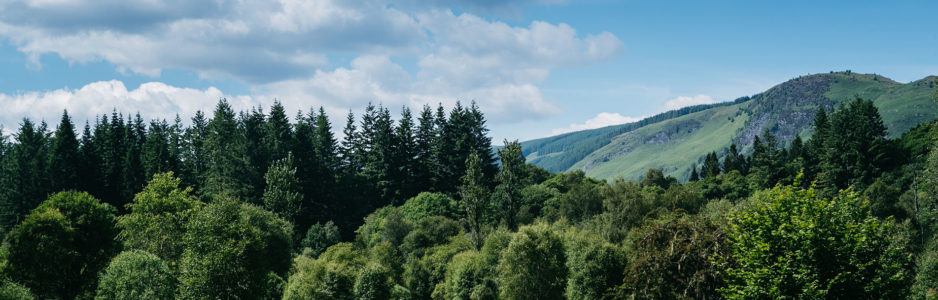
(232, 249)
(136, 274)
(430, 204)
(429, 232)
(654, 177)
(580, 198)
(319, 237)
(157, 219)
(533, 266)
(675, 256)
(11, 291)
(475, 200)
(791, 243)
(509, 181)
(466, 278)
(595, 266)
(70, 228)
(282, 194)
(926, 276)
(373, 284)
(332, 276)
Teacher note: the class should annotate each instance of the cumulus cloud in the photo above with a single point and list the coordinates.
(603, 119)
(607, 119)
(152, 100)
(684, 101)
(282, 48)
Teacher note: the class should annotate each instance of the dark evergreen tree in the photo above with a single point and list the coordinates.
(405, 158)
(113, 152)
(132, 171)
(855, 147)
(257, 150)
(25, 180)
(711, 166)
(694, 176)
(279, 133)
(225, 152)
(734, 161)
(156, 155)
(195, 160)
(89, 170)
(65, 157)
(425, 138)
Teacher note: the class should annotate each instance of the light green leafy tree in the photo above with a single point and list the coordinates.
(791, 243)
(136, 274)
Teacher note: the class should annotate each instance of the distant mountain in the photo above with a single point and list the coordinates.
(674, 140)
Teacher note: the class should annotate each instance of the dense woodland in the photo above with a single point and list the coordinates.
(252, 205)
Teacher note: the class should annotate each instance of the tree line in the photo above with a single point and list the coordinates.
(378, 161)
(848, 213)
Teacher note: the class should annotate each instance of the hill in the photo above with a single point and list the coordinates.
(674, 140)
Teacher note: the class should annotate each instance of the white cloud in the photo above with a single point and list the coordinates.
(281, 48)
(685, 101)
(607, 119)
(603, 119)
(152, 100)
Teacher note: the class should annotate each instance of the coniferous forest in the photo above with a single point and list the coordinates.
(260, 204)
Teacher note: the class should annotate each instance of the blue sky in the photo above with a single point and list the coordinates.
(536, 67)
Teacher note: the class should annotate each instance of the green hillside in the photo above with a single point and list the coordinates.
(675, 140)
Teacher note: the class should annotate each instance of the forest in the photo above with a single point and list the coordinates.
(260, 205)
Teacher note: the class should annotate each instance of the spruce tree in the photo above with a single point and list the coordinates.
(195, 160)
(425, 138)
(256, 149)
(225, 153)
(405, 158)
(65, 157)
(694, 176)
(711, 166)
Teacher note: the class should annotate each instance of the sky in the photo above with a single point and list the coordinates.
(535, 67)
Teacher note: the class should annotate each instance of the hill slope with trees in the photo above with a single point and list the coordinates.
(674, 140)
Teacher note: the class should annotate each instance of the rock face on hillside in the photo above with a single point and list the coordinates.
(787, 109)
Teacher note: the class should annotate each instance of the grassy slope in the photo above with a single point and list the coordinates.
(674, 144)
(687, 137)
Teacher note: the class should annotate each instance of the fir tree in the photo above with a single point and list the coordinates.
(65, 156)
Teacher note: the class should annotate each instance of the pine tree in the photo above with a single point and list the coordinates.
(734, 161)
(693, 174)
(328, 164)
(256, 149)
(351, 160)
(156, 155)
(65, 157)
(225, 153)
(405, 158)
(195, 160)
(474, 197)
(113, 150)
(279, 133)
(132, 171)
(89, 175)
(711, 166)
(425, 138)
(25, 174)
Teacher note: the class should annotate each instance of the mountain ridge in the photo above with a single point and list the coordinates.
(674, 140)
